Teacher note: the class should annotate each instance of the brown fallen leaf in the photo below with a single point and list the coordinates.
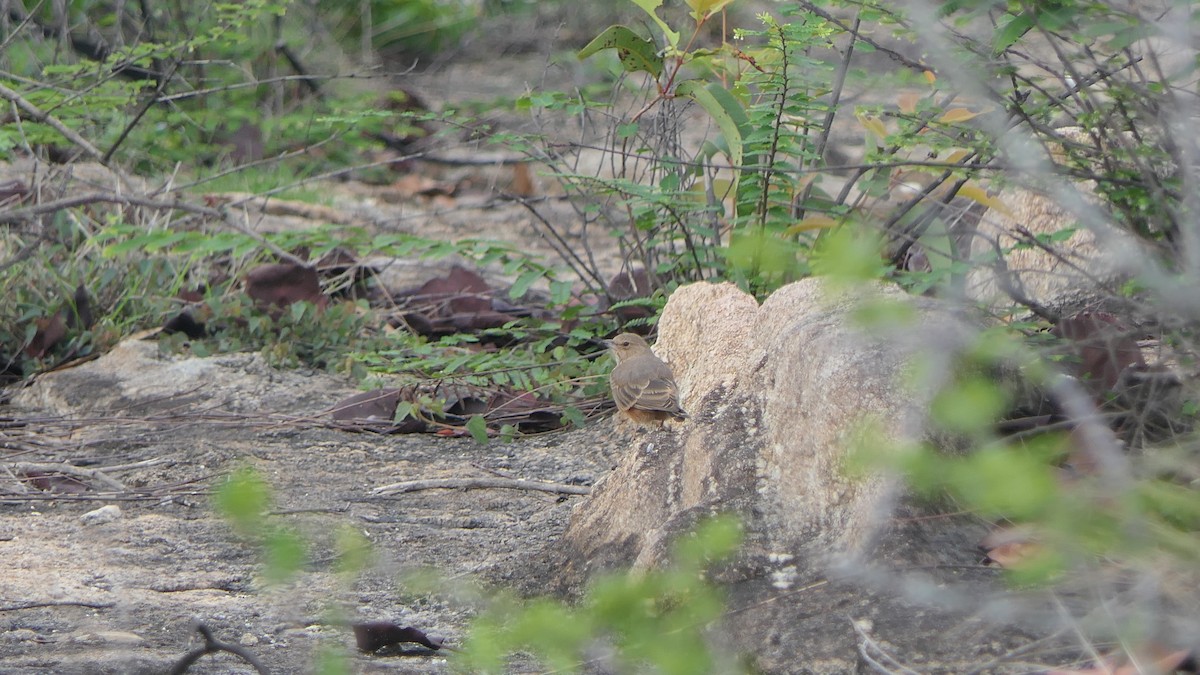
(461, 301)
(50, 330)
(629, 285)
(375, 411)
(54, 482)
(281, 284)
(522, 181)
(1009, 546)
(371, 636)
(1103, 346)
(1153, 658)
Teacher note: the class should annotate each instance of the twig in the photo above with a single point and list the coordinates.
(212, 645)
(97, 475)
(476, 483)
(19, 215)
(867, 645)
(138, 465)
(39, 116)
(56, 603)
(145, 108)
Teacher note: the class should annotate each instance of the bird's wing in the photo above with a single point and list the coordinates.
(658, 394)
(626, 393)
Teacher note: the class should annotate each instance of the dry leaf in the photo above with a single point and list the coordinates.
(980, 196)
(809, 223)
(957, 115)
(282, 284)
(522, 182)
(873, 125)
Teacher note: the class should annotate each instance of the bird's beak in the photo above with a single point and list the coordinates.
(608, 344)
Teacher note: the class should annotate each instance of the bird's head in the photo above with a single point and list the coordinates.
(627, 344)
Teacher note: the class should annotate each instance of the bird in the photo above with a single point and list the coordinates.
(642, 384)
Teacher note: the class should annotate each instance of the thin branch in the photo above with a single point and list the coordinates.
(26, 468)
(480, 483)
(37, 115)
(211, 646)
(56, 603)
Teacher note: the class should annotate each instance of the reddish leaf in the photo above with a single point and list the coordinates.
(376, 411)
(282, 284)
(629, 285)
(371, 636)
(50, 330)
(54, 482)
(1103, 346)
(1008, 546)
(1153, 658)
(459, 302)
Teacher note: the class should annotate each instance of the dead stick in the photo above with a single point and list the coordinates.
(56, 603)
(37, 115)
(97, 475)
(474, 483)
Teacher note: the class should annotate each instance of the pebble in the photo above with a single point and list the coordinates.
(104, 514)
(248, 640)
(109, 637)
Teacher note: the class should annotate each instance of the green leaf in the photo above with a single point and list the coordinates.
(523, 282)
(560, 292)
(353, 550)
(404, 410)
(573, 417)
(1011, 32)
(651, 7)
(285, 555)
(701, 9)
(636, 53)
(478, 428)
(243, 498)
(1002, 482)
(725, 110)
(969, 406)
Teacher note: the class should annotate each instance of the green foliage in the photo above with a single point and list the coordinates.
(123, 294)
(243, 499)
(216, 88)
(656, 618)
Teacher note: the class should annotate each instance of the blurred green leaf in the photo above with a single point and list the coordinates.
(478, 428)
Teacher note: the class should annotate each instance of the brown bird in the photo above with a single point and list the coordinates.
(642, 385)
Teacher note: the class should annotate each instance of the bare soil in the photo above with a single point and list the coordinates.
(123, 596)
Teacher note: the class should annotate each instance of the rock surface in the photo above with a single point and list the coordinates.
(123, 596)
(777, 394)
(1064, 275)
(773, 391)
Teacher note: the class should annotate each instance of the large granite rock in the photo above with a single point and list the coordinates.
(778, 394)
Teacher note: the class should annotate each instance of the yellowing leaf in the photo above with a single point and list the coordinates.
(908, 102)
(702, 8)
(651, 8)
(980, 196)
(873, 125)
(956, 156)
(930, 77)
(817, 222)
(957, 115)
